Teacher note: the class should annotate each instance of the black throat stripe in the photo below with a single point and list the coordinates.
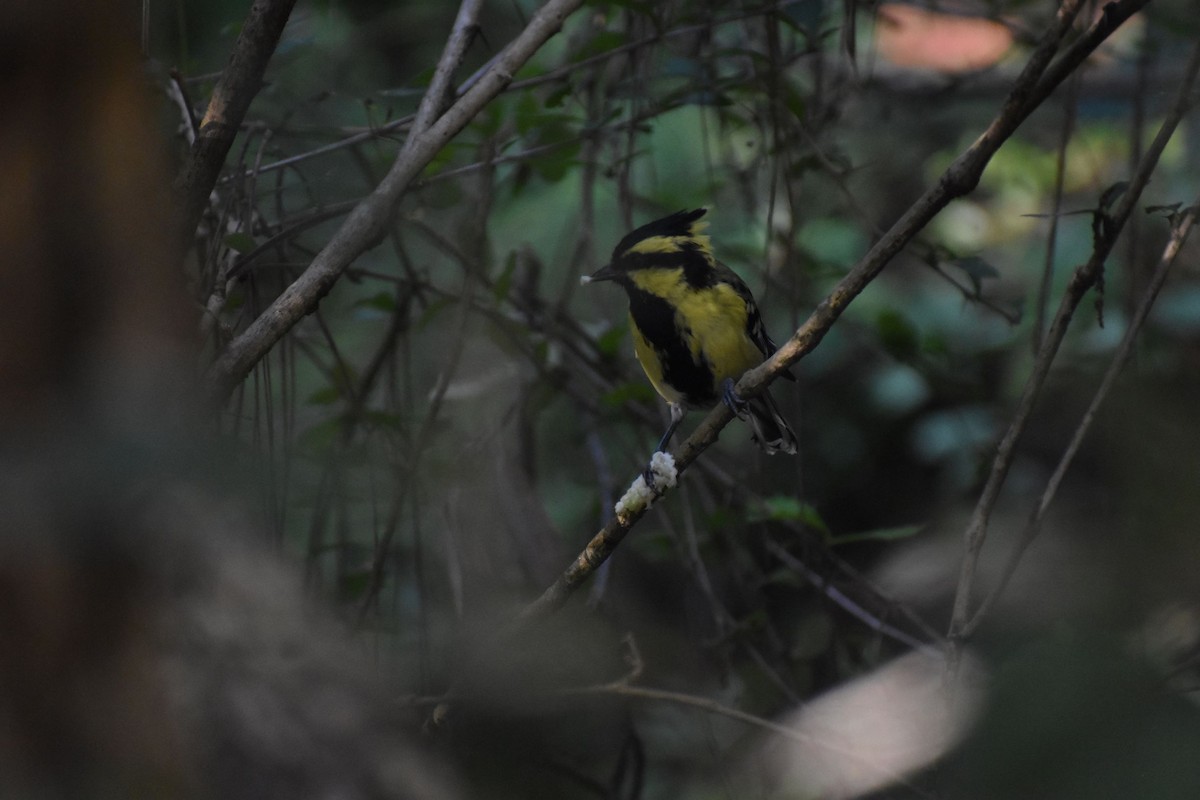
(655, 318)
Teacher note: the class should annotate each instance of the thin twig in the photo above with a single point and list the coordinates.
(550, 76)
(227, 107)
(472, 268)
(1082, 280)
(1038, 78)
(1068, 128)
(1120, 359)
(710, 706)
(369, 221)
(847, 604)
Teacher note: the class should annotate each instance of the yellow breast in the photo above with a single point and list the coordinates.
(712, 321)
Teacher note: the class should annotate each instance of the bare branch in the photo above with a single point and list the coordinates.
(1086, 275)
(367, 224)
(439, 94)
(227, 108)
(1035, 83)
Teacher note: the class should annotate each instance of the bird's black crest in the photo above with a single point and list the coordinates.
(678, 224)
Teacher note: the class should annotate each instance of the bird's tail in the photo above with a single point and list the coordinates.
(771, 430)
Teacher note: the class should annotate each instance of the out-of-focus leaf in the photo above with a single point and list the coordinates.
(897, 334)
(786, 508)
(432, 310)
(602, 42)
(878, 535)
(554, 165)
(318, 438)
(976, 269)
(785, 577)
(643, 7)
(240, 242)
(555, 99)
(422, 78)
(381, 301)
(832, 241)
(625, 393)
(353, 584)
(526, 111)
(934, 343)
(326, 395)
(794, 100)
(384, 420)
(504, 279)
(609, 342)
(679, 67)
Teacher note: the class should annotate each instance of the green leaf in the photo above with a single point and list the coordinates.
(897, 334)
(610, 341)
(526, 112)
(794, 101)
(786, 508)
(784, 577)
(602, 42)
(381, 301)
(320, 437)
(879, 535)
(504, 279)
(422, 78)
(384, 419)
(555, 99)
(240, 242)
(354, 583)
(935, 344)
(432, 310)
(326, 395)
(554, 165)
(680, 67)
(625, 393)
(642, 7)
(541, 352)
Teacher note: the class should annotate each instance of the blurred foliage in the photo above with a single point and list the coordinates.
(455, 421)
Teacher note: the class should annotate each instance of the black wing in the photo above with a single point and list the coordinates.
(754, 324)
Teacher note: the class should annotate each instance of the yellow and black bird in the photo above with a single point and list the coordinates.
(696, 327)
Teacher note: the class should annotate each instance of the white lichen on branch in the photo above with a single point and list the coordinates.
(641, 495)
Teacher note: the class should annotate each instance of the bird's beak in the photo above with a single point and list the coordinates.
(605, 273)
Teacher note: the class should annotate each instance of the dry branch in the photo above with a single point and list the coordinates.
(1037, 80)
(230, 100)
(368, 222)
(1084, 278)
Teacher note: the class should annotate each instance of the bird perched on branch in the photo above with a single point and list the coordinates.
(696, 327)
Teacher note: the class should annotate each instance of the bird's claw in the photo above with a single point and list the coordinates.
(648, 476)
(730, 397)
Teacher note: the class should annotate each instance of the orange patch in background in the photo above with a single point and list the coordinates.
(913, 37)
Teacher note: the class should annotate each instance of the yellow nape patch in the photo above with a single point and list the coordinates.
(673, 244)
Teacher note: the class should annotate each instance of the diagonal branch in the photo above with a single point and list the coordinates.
(1083, 279)
(440, 92)
(1034, 525)
(1035, 83)
(368, 222)
(230, 100)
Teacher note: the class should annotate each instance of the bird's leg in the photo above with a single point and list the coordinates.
(677, 412)
(730, 397)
